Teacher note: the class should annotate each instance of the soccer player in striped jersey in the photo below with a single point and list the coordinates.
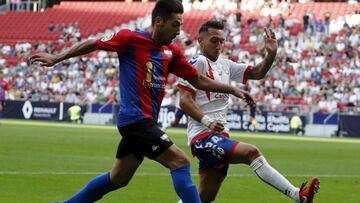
(146, 59)
(208, 131)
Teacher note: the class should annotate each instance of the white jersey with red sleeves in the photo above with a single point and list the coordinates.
(211, 103)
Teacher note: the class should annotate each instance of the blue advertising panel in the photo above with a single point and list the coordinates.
(349, 125)
(37, 110)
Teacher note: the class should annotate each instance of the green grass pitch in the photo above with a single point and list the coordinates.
(44, 162)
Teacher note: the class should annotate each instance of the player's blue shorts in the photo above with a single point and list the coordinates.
(179, 113)
(214, 151)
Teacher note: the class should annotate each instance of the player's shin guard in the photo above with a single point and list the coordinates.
(272, 177)
(184, 186)
(94, 190)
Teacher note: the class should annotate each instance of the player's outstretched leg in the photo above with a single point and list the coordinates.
(120, 175)
(176, 160)
(272, 177)
(94, 190)
(307, 194)
(184, 186)
(251, 155)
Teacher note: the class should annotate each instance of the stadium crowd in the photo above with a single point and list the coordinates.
(315, 69)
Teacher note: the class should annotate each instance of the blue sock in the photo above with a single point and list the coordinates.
(184, 186)
(94, 190)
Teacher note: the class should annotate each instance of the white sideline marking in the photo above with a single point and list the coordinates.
(167, 174)
(233, 133)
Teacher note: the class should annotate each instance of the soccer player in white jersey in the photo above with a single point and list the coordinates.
(208, 129)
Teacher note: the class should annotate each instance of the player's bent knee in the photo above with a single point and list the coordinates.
(253, 153)
(179, 162)
(173, 158)
(119, 179)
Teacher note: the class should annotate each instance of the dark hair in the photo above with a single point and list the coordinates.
(219, 25)
(164, 9)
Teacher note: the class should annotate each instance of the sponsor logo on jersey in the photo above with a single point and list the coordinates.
(153, 85)
(221, 96)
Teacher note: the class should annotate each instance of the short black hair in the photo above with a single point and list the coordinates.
(164, 9)
(219, 25)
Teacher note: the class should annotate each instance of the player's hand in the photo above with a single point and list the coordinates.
(216, 126)
(44, 59)
(271, 44)
(245, 96)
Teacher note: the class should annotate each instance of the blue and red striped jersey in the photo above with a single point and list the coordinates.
(144, 67)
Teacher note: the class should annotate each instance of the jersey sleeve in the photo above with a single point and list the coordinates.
(239, 71)
(200, 64)
(180, 67)
(185, 85)
(114, 41)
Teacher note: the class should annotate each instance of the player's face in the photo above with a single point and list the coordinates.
(211, 43)
(170, 28)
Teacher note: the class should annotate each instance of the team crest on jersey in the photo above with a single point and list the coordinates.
(108, 36)
(168, 53)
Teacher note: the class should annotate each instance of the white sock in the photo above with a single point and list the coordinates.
(180, 201)
(272, 177)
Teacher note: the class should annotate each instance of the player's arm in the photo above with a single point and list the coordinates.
(78, 49)
(191, 108)
(206, 84)
(259, 71)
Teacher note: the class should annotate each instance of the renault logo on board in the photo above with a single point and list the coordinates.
(27, 110)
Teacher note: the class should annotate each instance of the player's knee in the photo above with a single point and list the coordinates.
(252, 153)
(182, 161)
(119, 180)
(173, 158)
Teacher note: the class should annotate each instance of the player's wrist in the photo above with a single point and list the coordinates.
(270, 56)
(206, 120)
(233, 90)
